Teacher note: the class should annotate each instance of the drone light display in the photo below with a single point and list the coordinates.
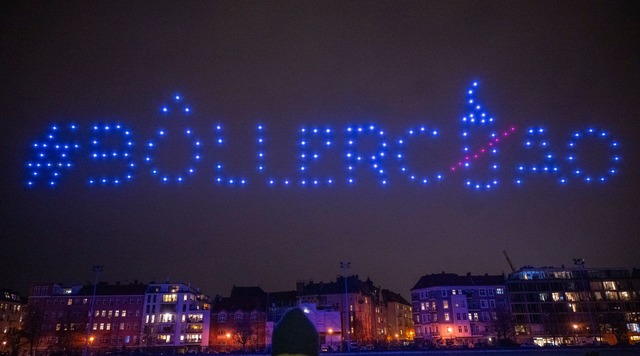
(56, 154)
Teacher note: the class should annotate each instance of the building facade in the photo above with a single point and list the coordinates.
(365, 317)
(238, 322)
(449, 309)
(12, 310)
(398, 321)
(116, 316)
(569, 306)
(176, 317)
(67, 319)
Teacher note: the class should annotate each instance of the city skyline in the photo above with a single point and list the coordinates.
(267, 70)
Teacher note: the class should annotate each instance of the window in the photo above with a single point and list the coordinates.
(446, 316)
(422, 306)
(492, 303)
(483, 292)
(483, 303)
(169, 298)
(445, 304)
(464, 316)
(466, 329)
(222, 317)
(459, 329)
(238, 317)
(485, 316)
(490, 292)
(458, 316)
(499, 291)
(444, 293)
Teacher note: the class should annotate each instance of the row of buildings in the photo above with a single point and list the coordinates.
(558, 306)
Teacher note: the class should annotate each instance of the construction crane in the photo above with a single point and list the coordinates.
(509, 260)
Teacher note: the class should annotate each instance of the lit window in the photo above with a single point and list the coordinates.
(446, 316)
(445, 304)
(169, 298)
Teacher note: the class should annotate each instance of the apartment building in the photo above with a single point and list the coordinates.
(12, 310)
(575, 306)
(449, 309)
(397, 324)
(71, 318)
(176, 317)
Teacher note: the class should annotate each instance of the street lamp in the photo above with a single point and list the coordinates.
(97, 269)
(575, 334)
(345, 266)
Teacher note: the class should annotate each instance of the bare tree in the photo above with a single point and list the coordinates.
(243, 332)
(14, 340)
(616, 324)
(70, 333)
(32, 326)
(148, 336)
(503, 325)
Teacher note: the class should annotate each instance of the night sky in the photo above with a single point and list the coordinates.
(562, 66)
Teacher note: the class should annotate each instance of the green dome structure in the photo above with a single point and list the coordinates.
(295, 335)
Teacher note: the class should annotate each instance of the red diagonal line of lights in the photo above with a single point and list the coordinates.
(482, 150)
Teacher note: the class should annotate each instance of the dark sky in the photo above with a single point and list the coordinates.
(565, 66)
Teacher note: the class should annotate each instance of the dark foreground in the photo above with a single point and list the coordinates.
(598, 351)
